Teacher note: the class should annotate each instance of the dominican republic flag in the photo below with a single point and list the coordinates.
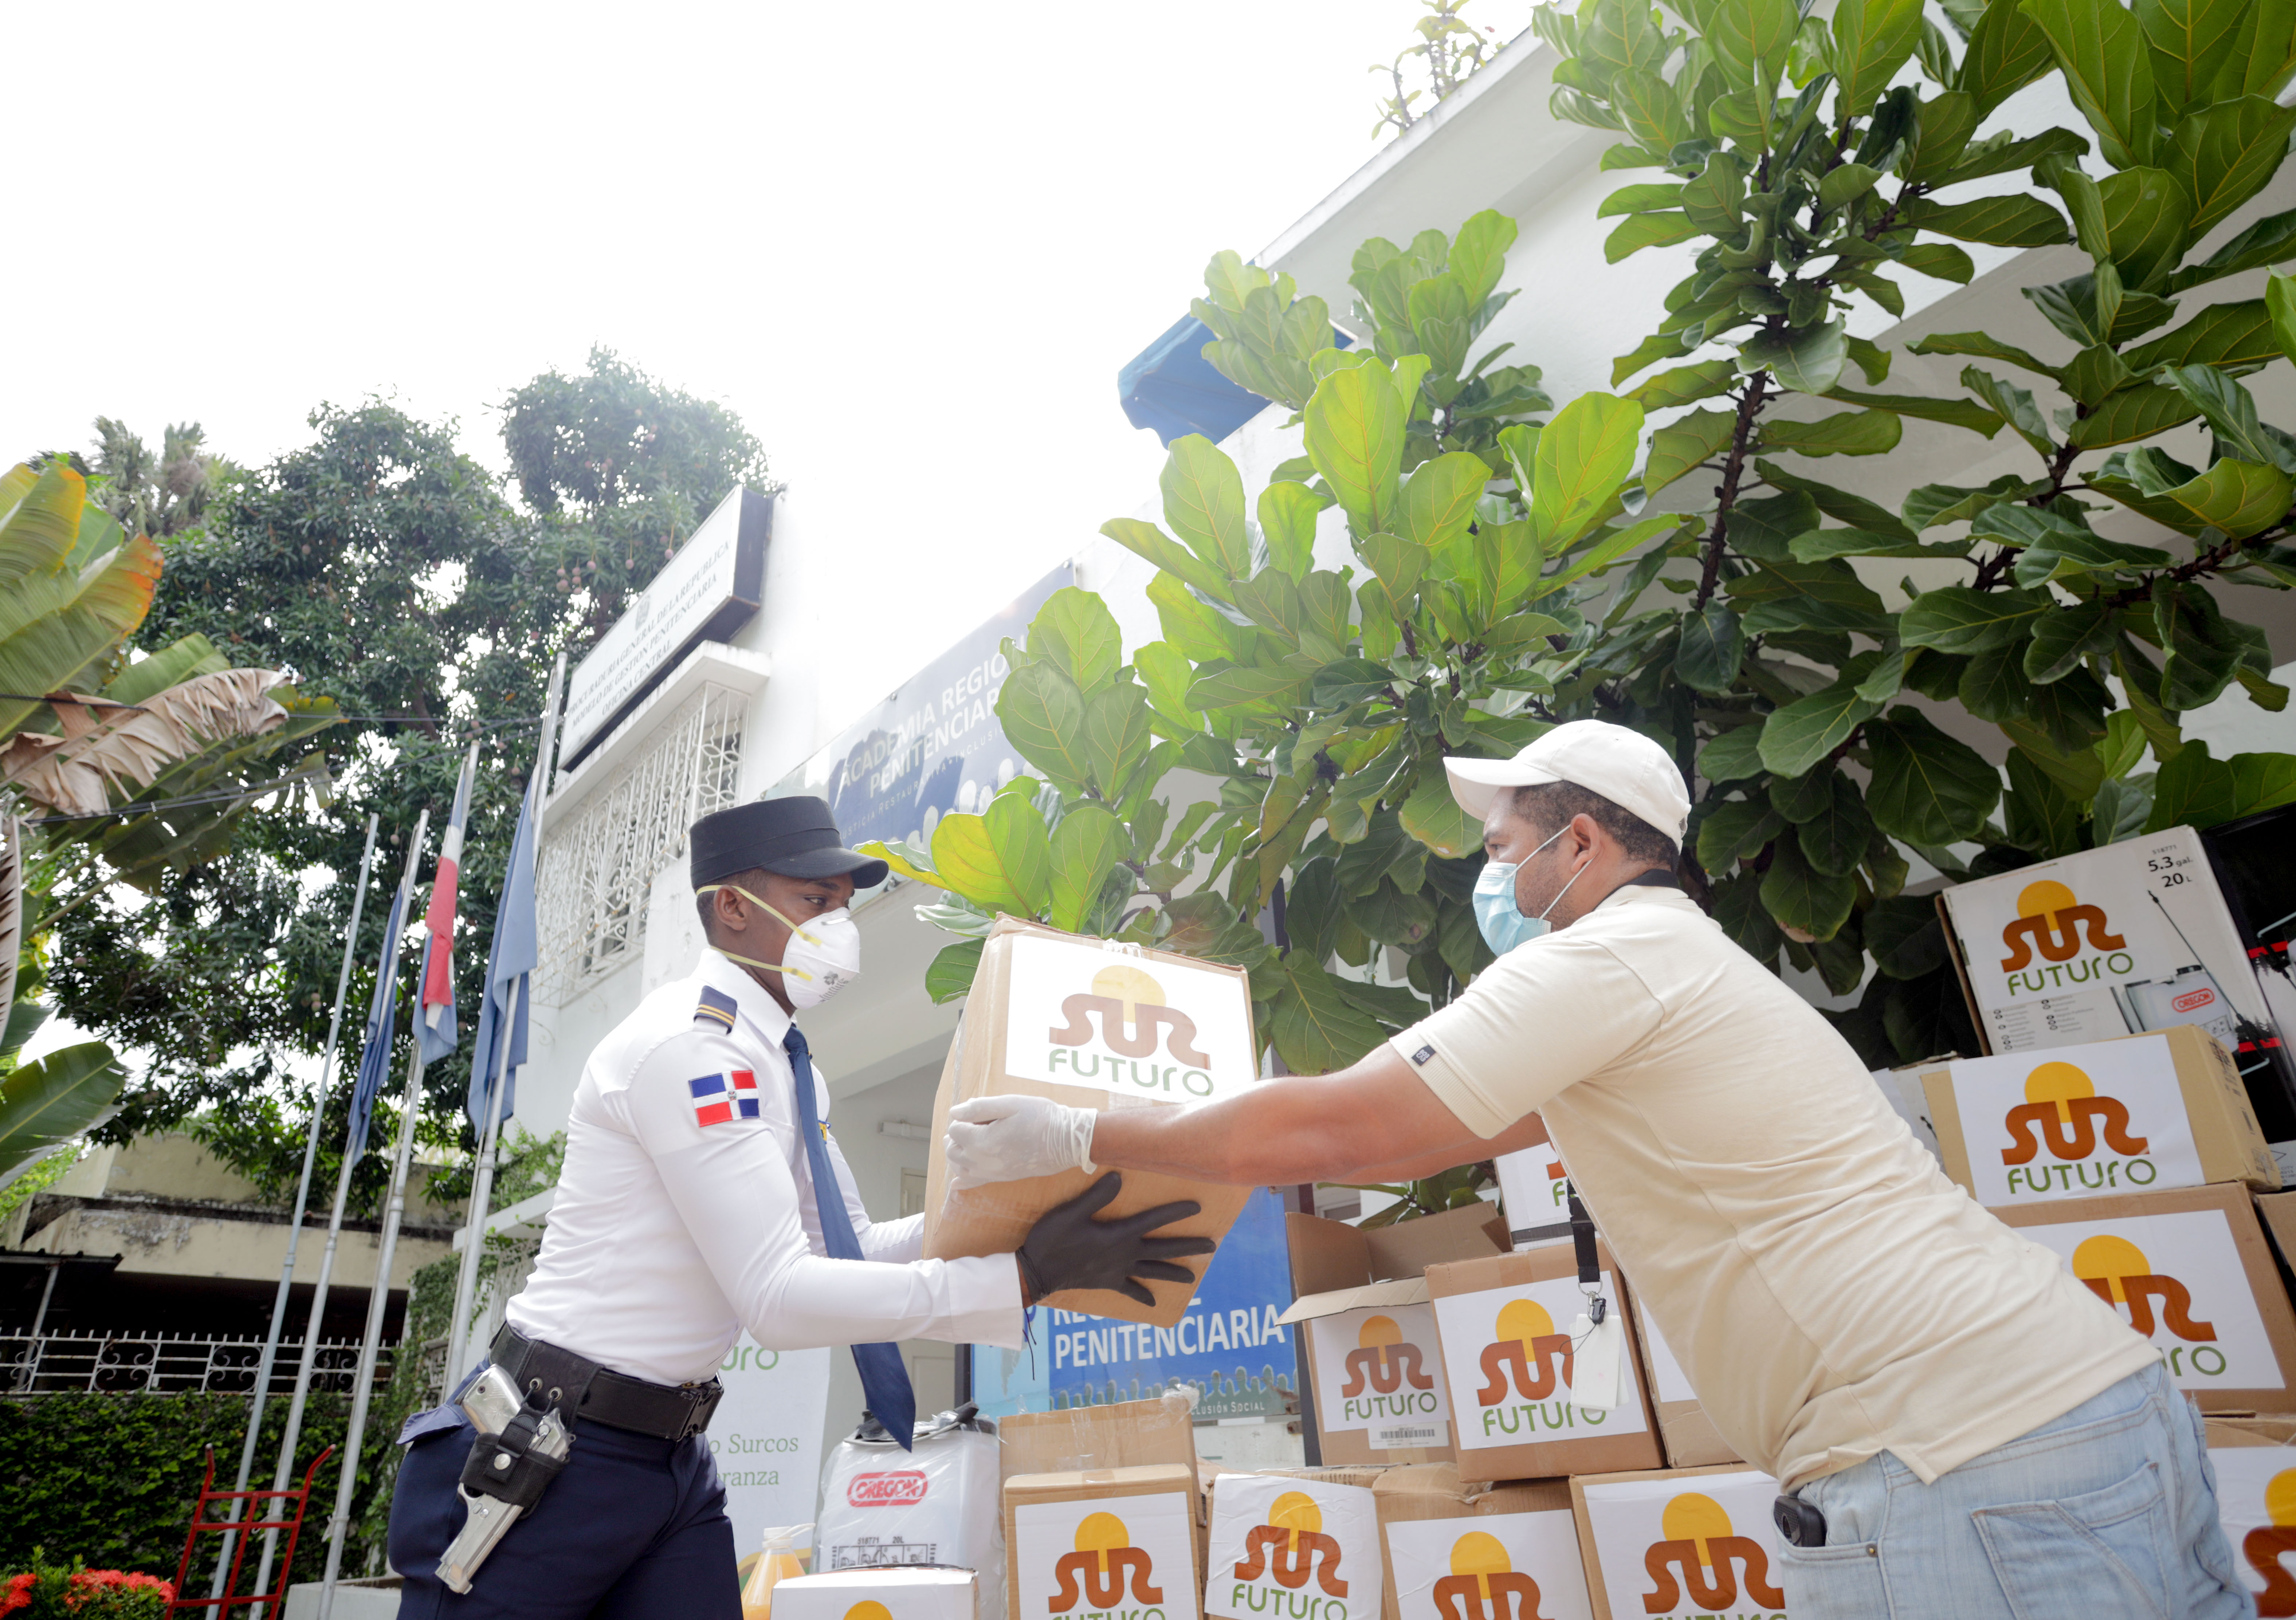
(716, 1103)
(434, 1017)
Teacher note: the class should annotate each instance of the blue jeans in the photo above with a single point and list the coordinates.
(2106, 1512)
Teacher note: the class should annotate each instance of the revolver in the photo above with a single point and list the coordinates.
(495, 1406)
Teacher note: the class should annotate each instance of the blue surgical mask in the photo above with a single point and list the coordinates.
(1497, 914)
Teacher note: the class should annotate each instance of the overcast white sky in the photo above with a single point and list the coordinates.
(910, 244)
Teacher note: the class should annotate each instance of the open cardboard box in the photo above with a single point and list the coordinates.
(2132, 1114)
(1368, 1331)
(1505, 1326)
(1526, 1530)
(1093, 1439)
(2189, 1269)
(1093, 1025)
(1691, 1440)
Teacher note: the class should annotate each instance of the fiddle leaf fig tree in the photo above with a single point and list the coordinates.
(1812, 161)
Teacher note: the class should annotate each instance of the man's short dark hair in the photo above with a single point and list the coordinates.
(753, 879)
(1549, 806)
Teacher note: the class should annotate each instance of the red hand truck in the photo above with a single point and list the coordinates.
(300, 1499)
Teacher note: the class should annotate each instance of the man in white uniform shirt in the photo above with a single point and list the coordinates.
(1961, 1430)
(703, 1195)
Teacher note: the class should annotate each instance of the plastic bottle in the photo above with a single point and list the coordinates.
(779, 1563)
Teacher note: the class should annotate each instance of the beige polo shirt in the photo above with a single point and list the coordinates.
(1828, 1291)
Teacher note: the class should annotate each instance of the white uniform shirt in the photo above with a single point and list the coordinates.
(669, 1235)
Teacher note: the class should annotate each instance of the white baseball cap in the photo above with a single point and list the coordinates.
(1624, 766)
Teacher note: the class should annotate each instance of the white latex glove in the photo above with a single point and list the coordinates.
(1009, 1139)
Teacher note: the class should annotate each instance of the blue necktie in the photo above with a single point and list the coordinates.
(884, 1381)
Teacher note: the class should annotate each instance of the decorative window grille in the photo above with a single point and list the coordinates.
(173, 1364)
(596, 873)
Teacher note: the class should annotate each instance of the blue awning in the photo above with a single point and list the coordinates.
(1171, 388)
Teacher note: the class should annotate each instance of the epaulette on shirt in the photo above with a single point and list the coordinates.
(717, 1009)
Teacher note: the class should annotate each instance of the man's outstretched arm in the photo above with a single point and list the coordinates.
(1374, 1121)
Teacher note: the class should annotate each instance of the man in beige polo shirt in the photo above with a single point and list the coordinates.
(1971, 1432)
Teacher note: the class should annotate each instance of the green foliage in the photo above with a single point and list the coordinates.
(1449, 53)
(109, 1479)
(392, 574)
(53, 1591)
(1804, 183)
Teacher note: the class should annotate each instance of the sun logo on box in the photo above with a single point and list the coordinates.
(1384, 1360)
(2265, 1545)
(1132, 1008)
(2063, 1110)
(1700, 1552)
(1291, 1544)
(2117, 1272)
(1482, 1581)
(1094, 1571)
(868, 1610)
(1529, 1347)
(2050, 916)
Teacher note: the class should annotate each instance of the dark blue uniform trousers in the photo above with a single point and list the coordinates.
(635, 1529)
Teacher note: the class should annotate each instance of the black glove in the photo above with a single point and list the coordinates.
(1067, 1248)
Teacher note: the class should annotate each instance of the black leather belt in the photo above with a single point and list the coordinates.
(591, 1394)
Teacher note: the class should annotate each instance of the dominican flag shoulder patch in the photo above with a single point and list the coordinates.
(717, 1102)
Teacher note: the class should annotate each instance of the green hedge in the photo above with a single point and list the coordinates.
(109, 1479)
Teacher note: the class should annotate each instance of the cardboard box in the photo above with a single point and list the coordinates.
(2262, 1428)
(1093, 1025)
(2191, 1271)
(1640, 1535)
(1122, 1435)
(2279, 1212)
(1368, 1332)
(1505, 1323)
(2133, 936)
(879, 1594)
(1691, 1440)
(1534, 1190)
(1523, 1544)
(1280, 1543)
(2256, 1503)
(1105, 1539)
(2138, 1113)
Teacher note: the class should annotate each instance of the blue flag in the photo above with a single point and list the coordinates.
(509, 963)
(382, 1025)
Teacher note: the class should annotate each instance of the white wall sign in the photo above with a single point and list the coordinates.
(2075, 1121)
(1694, 1546)
(1504, 1566)
(1292, 1550)
(766, 1438)
(2177, 1279)
(1507, 1355)
(1123, 1557)
(1080, 1015)
(1380, 1370)
(709, 589)
(2256, 1501)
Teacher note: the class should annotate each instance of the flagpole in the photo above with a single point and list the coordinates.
(302, 1202)
(378, 1297)
(482, 1184)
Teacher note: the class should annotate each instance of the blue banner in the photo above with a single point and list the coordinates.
(1228, 1344)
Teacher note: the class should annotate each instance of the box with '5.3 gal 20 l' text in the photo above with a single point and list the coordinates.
(1100, 1025)
(1505, 1326)
(2189, 1270)
(2140, 1113)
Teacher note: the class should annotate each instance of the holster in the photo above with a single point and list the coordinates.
(506, 1466)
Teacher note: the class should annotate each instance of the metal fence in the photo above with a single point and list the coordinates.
(171, 1363)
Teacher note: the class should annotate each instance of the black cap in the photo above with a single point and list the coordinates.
(795, 837)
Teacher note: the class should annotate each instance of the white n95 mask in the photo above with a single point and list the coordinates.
(822, 958)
